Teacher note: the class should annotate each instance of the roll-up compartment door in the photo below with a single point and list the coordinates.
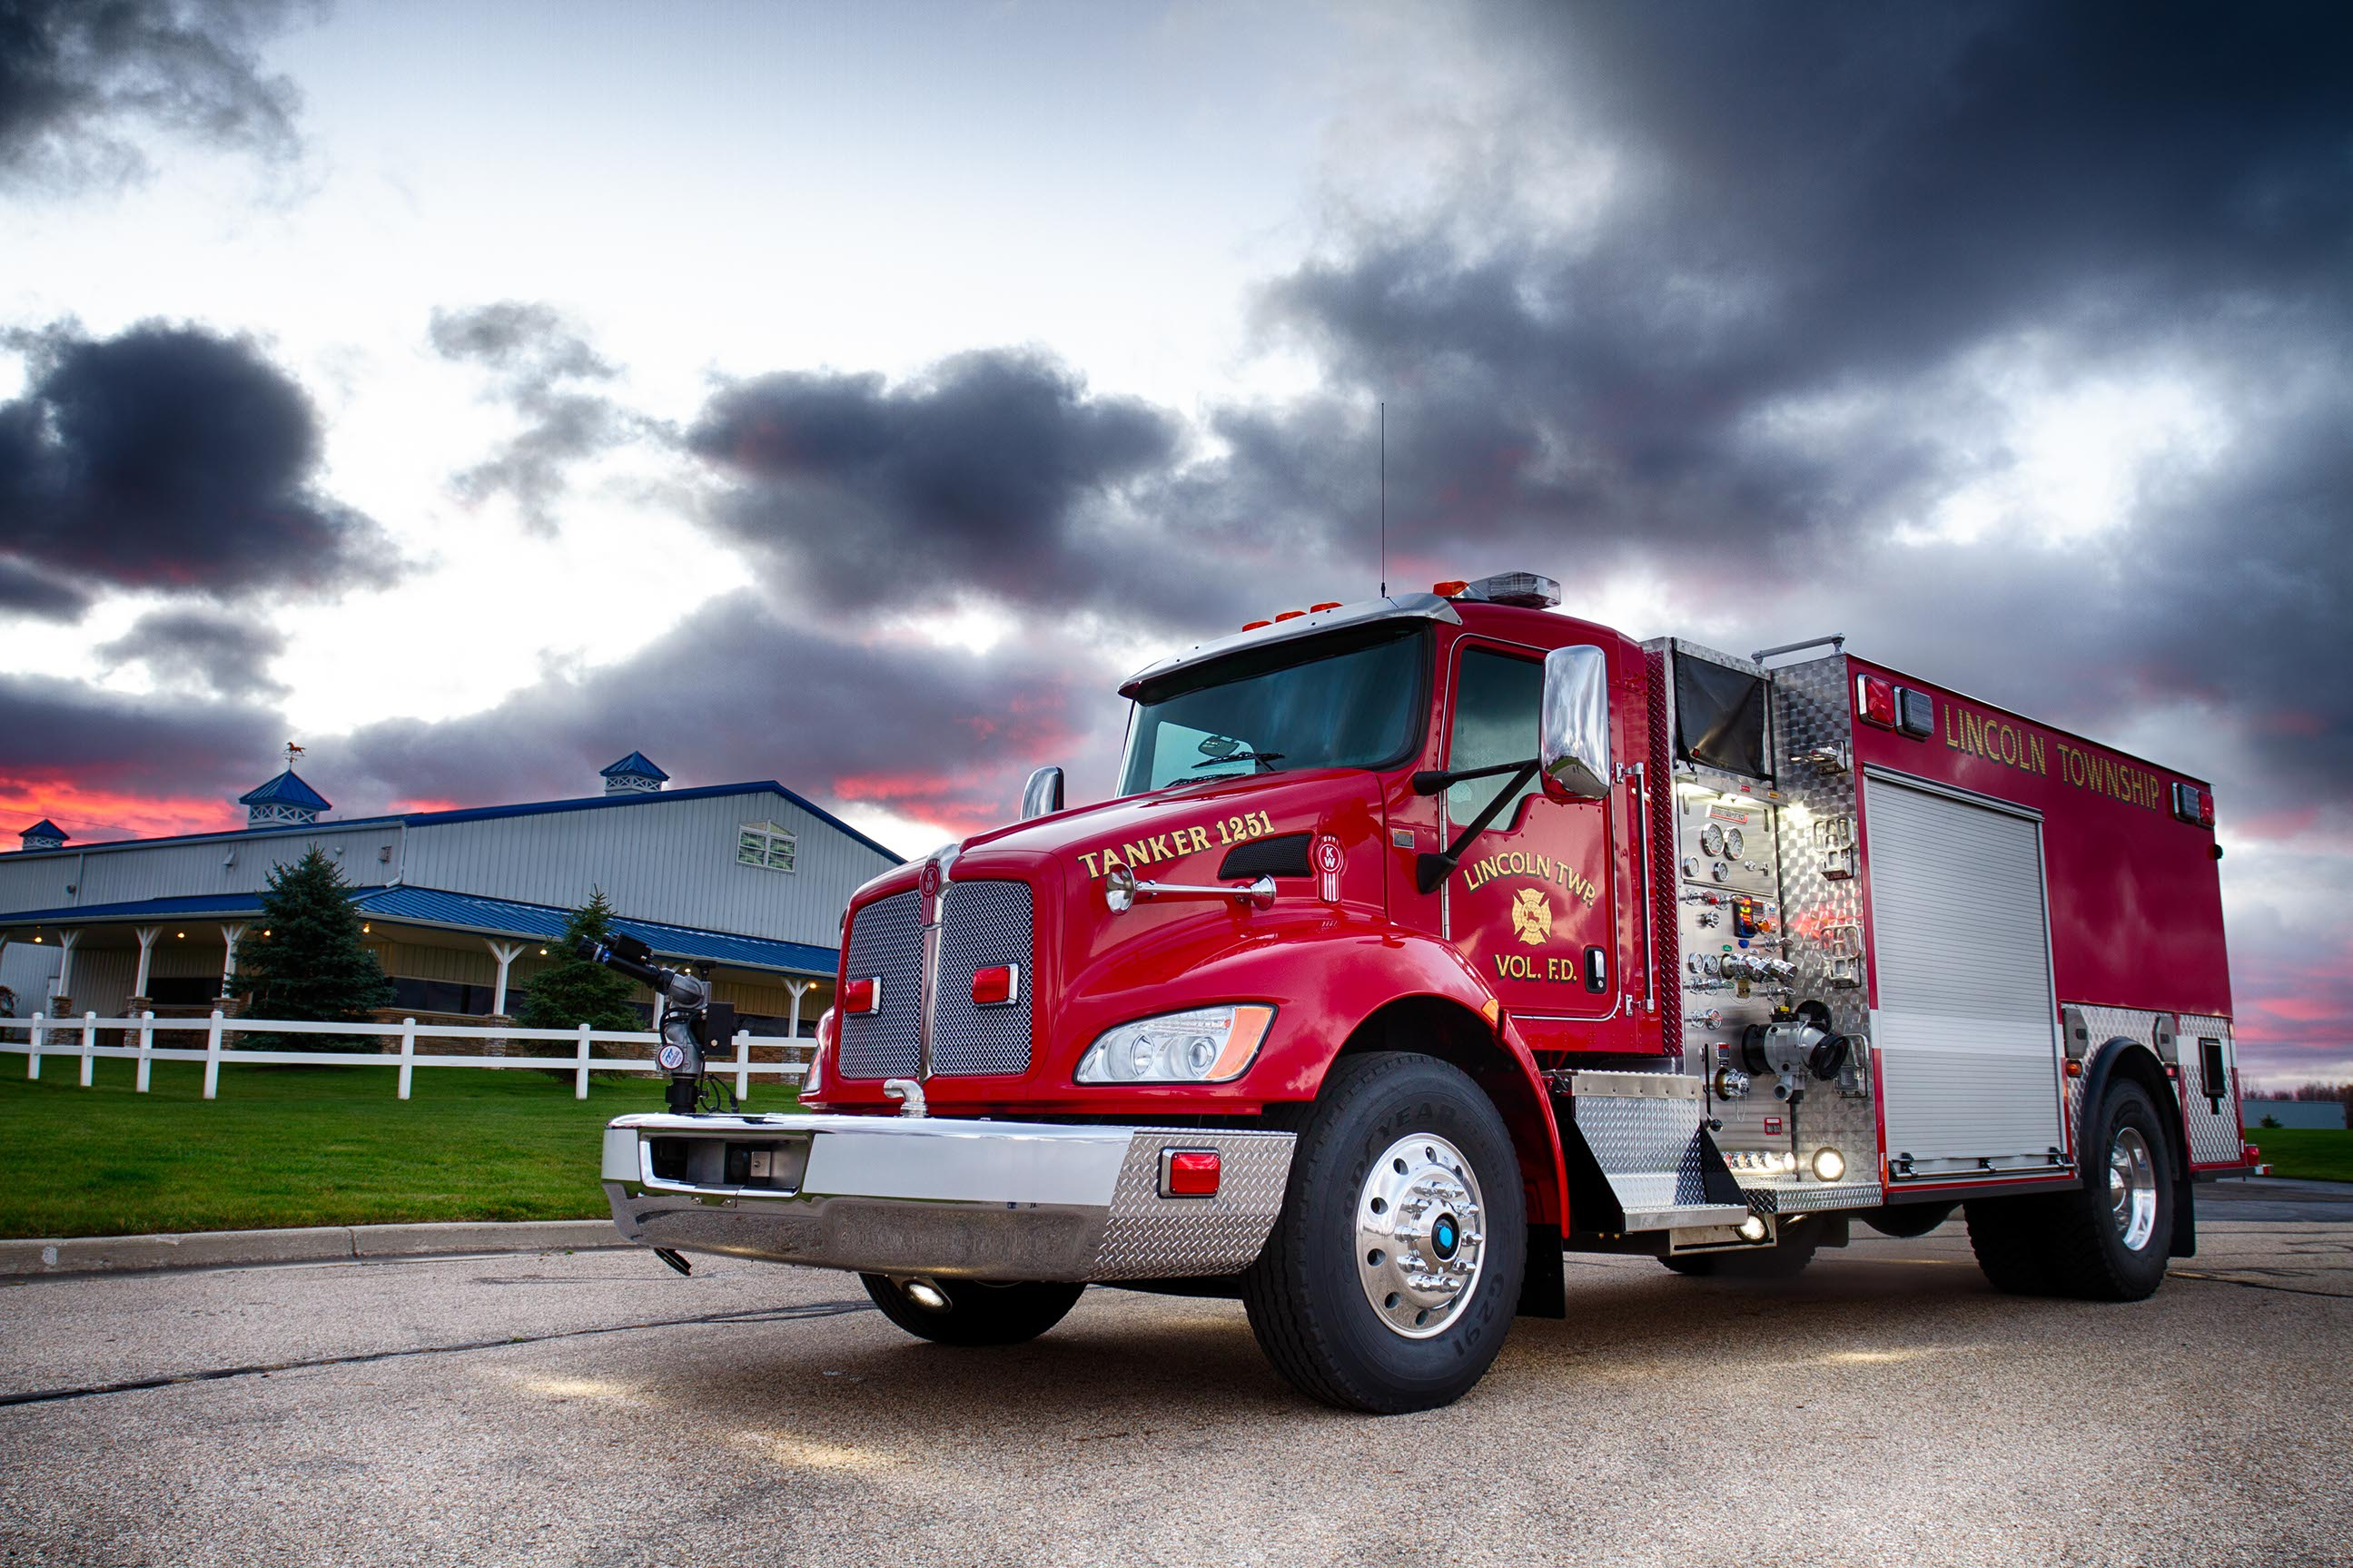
(1965, 1024)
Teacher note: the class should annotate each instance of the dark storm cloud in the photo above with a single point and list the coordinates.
(997, 473)
(743, 690)
(107, 766)
(37, 595)
(219, 650)
(539, 362)
(1811, 201)
(169, 458)
(79, 76)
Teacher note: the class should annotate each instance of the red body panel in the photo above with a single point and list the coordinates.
(2135, 897)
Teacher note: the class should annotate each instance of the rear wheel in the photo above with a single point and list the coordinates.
(1392, 1275)
(971, 1311)
(2105, 1241)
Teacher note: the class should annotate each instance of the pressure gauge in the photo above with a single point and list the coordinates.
(1720, 870)
(1711, 842)
(1733, 842)
(1690, 866)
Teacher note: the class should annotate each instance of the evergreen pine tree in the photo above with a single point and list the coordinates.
(303, 959)
(572, 990)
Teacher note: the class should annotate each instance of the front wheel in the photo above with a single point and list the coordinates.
(1393, 1274)
(971, 1311)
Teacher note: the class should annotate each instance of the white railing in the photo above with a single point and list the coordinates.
(42, 1039)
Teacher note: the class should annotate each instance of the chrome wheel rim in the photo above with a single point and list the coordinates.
(1420, 1236)
(2132, 1188)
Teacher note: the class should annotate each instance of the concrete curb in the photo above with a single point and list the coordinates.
(318, 1244)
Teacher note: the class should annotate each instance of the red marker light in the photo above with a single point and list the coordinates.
(1290, 614)
(1189, 1172)
(2205, 809)
(1253, 625)
(995, 985)
(863, 995)
(1449, 589)
(1326, 604)
(1875, 701)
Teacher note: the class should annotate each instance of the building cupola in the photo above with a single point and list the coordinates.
(285, 801)
(633, 774)
(45, 835)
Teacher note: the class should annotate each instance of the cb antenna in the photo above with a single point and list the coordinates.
(1385, 500)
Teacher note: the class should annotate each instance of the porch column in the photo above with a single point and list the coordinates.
(506, 952)
(147, 935)
(231, 933)
(67, 942)
(798, 988)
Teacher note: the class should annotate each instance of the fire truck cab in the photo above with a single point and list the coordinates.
(1427, 937)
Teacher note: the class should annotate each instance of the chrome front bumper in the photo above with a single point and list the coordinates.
(956, 1199)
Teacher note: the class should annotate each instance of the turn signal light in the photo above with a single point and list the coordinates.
(1875, 701)
(1189, 1172)
(995, 985)
(863, 995)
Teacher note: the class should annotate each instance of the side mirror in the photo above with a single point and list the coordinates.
(1573, 725)
(1042, 796)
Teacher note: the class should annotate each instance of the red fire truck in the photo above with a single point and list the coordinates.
(1431, 936)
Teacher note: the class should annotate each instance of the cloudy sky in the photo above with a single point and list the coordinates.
(853, 396)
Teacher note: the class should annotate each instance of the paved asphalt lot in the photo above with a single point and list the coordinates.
(593, 1408)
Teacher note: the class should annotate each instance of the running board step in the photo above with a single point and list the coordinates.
(1640, 1159)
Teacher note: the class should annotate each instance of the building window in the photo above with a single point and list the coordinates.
(765, 845)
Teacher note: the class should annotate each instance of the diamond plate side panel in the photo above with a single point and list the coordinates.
(1666, 958)
(1813, 710)
(2105, 1025)
(1805, 1198)
(983, 924)
(1152, 1237)
(2217, 1134)
(886, 939)
(1648, 1147)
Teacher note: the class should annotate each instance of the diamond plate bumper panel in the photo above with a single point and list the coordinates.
(950, 1198)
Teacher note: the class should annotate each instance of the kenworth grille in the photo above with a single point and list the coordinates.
(926, 1023)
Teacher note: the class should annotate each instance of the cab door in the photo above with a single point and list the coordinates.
(1531, 904)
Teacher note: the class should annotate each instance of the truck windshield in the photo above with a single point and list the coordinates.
(1352, 702)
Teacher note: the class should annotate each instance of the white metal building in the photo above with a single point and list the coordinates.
(460, 907)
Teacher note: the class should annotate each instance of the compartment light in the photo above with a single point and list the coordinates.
(1829, 1165)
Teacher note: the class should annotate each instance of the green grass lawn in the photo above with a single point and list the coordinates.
(2310, 1153)
(293, 1146)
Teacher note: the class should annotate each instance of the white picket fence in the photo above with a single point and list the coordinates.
(42, 1039)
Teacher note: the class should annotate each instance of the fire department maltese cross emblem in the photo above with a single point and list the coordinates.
(1532, 917)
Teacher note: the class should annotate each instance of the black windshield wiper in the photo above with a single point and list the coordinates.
(1260, 757)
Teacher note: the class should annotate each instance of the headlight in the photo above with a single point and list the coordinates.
(1205, 1045)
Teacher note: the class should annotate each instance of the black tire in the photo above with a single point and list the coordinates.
(976, 1313)
(1309, 1303)
(1785, 1259)
(1907, 1222)
(2075, 1243)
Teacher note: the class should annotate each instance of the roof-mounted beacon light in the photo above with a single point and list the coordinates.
(1529, 590)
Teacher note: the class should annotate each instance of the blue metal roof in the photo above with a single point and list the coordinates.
(469, 912)
(286, 790)
(198, 904)
(45, 829)
(636, 765)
